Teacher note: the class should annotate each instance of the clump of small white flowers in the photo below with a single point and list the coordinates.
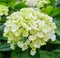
(29, 28)
(3, 10)
(37, 3)
(31, 3)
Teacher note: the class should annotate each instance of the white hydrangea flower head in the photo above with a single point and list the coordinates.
(29, 28)
(37, 3)
(31, 3)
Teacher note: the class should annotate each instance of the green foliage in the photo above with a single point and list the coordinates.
(52, 2)
(25, 54)
(52, 54)
(54, 42)
(0, 55)
(52, 11)
(41, 54)
(20, 5)
(8, 2)
(57, 21)
(19, 54)
(5, 47)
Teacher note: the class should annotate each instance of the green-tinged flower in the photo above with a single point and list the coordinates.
(3, 10)
(29, 28)
(42, 3)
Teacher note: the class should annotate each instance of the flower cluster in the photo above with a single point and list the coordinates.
(37, 3)
(29, 28)
(32, 3)
(3, 10)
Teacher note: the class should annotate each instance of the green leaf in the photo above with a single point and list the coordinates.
(0, 55)
(58, 31)
(12, 3)
(40, 54)
(2, 38)
(46, 54)
(52, 2)
(19, 54)
(20, 5)
(3, 3)
(57, 21)
(3, 20)
(56, 52)
(54, 42)
(1, 32)
(5, 47)
(1, 27)
(52, 11)
(48, 10)
(8, 2)
(56, 11)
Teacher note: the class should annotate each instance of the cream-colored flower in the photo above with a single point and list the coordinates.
(3, 10)
(37, 3)
(33, 52)
(29, 28)
(32, 3)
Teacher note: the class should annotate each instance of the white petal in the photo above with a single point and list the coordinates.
(12, 46)
(33, 52)
(14, 27)
(24, 47)
(36, 45)
(20, 44)
(53, 37)
(32, 37)
(6, 30)
(31, 3)
(39, 34)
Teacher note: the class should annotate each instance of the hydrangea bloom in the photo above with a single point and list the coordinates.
(3, 10)
(31, 3)
(38, 3)
(29, 28)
